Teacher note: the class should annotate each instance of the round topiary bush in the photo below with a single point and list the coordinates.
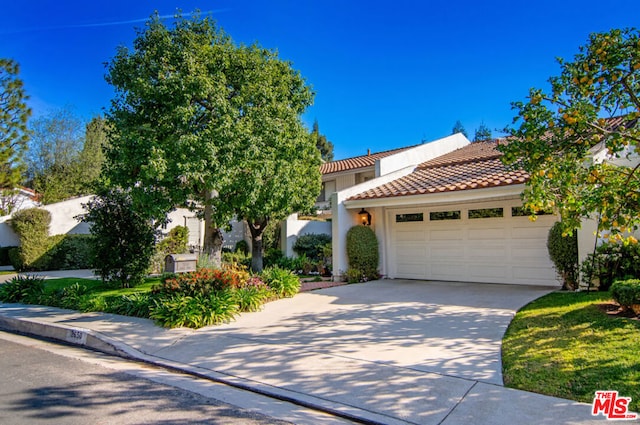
(362, 251)
(563, 250)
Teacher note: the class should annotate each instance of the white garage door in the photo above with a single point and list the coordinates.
(494, 243)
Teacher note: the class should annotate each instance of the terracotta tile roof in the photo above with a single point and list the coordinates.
(474, 166)
(354, 163)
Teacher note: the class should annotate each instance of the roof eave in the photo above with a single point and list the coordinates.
(455, 196)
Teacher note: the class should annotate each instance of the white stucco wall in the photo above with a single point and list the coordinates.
(63, 216)
(420, 154)
(292, 228)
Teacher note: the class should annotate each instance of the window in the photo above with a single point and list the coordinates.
(444, 215)
(406, 218)
(486, 213)
(525, 212)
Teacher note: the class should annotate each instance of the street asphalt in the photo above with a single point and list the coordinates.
(387, 352)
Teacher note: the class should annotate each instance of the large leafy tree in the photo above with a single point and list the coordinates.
(201, 121)
(14, 114)
(580, 141)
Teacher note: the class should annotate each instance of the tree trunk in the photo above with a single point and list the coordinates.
(213, 238)
(257, 229)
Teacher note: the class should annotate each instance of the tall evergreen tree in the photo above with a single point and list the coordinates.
(14, 135)
(459, 128)
(324, 146)
(483, 133)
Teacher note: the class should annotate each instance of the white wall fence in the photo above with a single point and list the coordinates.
(292, 228)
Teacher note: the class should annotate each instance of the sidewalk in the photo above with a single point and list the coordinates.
(291, 350)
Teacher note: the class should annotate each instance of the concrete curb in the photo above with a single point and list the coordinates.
(87, 338)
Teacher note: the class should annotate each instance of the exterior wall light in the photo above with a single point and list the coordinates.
(365, 217)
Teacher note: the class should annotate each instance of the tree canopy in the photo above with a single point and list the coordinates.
(580, 141)
(14, 114)
(199, 120)
(52, 166)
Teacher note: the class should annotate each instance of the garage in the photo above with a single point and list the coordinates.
(493, 242)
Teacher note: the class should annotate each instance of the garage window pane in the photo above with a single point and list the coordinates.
(444, 215)
(525, 212)
(406, 218)
(486, 213)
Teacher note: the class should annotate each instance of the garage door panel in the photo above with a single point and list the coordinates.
(492, 233)
(446, 235)
(447, 252)
(410, 235)
(446, 270)
(412, 271)
(530, 232)
(531, 253)
(484, 272)
(486, 252)
(527, 272)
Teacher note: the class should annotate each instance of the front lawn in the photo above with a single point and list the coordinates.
(565, 345)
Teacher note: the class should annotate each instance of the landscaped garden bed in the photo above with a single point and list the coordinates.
(571, 344)
(202, 298)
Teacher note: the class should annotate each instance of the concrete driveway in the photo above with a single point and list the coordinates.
(404, 350)
(452, 329)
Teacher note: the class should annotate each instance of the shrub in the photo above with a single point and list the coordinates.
(563, 250)
(362, 251)
(69, 252)
(354, 276)
(194, 311)
(176, 242)
(253, 294)
(612, 261)
(283, 282)
(626, 292)
(201, 282)
(238, 257)
(123, 240)
(311, 245)
(22, 289)
(136, 305)
(242, 246)
(4, 255)
(32, 227)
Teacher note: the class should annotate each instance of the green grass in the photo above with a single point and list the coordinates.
(97, 287)
(563, 345)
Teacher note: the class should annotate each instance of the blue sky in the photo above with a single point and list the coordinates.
(386, 73)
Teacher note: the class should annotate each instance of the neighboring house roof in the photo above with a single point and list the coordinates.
(474, 166)
(363, 161)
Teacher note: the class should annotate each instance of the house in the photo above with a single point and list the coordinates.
(447, 210)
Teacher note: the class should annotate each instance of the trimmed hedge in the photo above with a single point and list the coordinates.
(362, 253)
(626, 292)
(32, 227)
(563, 250)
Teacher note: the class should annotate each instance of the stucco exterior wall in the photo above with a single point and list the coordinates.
(292, 228)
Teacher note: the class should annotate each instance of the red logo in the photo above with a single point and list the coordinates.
(612, 406)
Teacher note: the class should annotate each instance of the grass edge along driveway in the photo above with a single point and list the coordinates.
(564, 345)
